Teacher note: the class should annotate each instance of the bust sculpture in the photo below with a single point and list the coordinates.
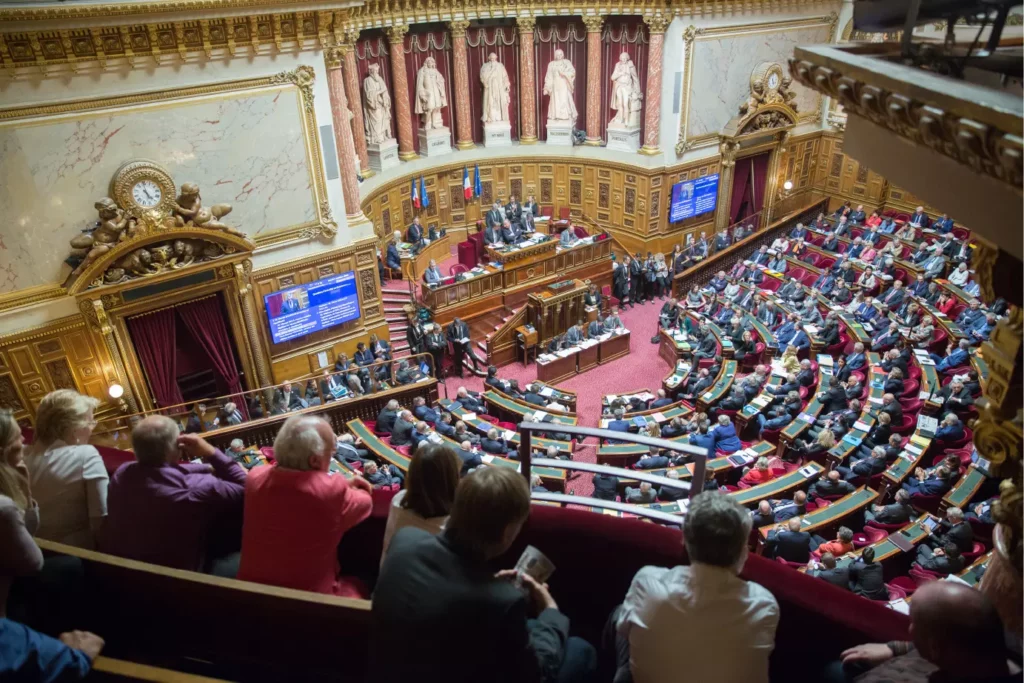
(560, 87)
(430, 95)
(496, 98)
(376, 107)
(626, 94)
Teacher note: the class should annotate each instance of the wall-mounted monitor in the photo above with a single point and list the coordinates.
(302, 310)
(693, 197)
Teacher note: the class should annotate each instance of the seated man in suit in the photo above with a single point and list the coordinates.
(494, 443)
(897, 512)
(596, 327)
(534, 396)
(789, 543)
(432, 275)
(574, 335)
(944, 561)
(830, 243)
(950, 429)
(510, 233)
(826, 569)
(669, 494)
(778, 417)
(893, 296)
(956, 400)
(892, 406)
(393, 259)
(469, 401)
(970, 315)
(784, 510)
(953, 529)
(613, 321)
(383, 475)
(642, 495)
(981, 330)
(618, 424)
(661, 401)
(466, 600)
(865, 467)
(568, 238)
(866, 577)
(424, 412)
(401, 434)
(938, 484)
(956, 356)
(832, 485)
(496, 382)
(492, 234)
(387, 416)
(605, 487)
(347, 450)
(423, 431)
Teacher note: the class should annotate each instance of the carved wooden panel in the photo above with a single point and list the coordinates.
(9, 398)
(60, 374)
(432, 209)
(407, 211)
(385, 217)
(49, 346)
(575, 191)
(516, 188)
(458, 198)
(603, 193)
(630, 205)
(545, 191)
(486, 193)
(655, 203)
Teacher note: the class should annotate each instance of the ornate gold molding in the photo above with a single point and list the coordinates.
(594, 24)
(396, 33)
(526, 24)
(657, 23)
(985, 138)
(101, 10)
(459, 27)
(31, 296)
(691, 34)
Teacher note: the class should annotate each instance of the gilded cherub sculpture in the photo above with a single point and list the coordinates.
(189, 211)
(113, 226)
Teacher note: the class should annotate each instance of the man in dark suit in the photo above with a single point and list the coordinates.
(892, 406)
(510, 233)
(434, 591)
(363, 355)
(833, 398)
(458, 335)
(392, 258)
(492, 234)
(605, 487)
(494, 217)
(954, 529)
(893, 296)
(387, 416)
(950, 429)
(938, 484)
(830, 243)
(832, 485)
(866, 577)
(401, 434)
(865, 467)
(944, 561)
(785, 510)
(470, 459)
(596, 327)
(661, 401)
(763, 515)
(574, 335)
(826, 569)
(790, 543)
(514, 210)
(897, 512)
(494, 443)
(618, 424)
(414, 233)
(415, 336)
(436, 345)
(919, 218)
(533, 396)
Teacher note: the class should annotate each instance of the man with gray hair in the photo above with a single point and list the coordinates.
(160, 508)
(296, 513)
(676, 615)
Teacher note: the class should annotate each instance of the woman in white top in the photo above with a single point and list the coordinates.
(429, 492)
(960, 276)
(867, 280)
(19, 514)
(67, 475)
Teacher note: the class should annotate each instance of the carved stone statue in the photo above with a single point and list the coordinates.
(430, 95)
(189, 211)
(626, 94)
(113, 225)
(496, 90)
(376, 107)
(560, 86)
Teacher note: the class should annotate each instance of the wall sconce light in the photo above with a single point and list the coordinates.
(788, 185)
(116, 391)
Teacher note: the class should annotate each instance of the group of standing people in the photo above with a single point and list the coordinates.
(428, 337)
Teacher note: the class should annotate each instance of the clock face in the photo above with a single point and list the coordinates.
(773, 80)
(147, 194)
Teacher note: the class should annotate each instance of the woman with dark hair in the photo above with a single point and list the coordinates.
(429, 492)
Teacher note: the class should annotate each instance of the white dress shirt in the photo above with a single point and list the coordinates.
(698, 622)
(70, 485)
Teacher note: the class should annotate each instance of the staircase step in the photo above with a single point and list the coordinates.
(395, 318)
(393, 309)
(395, 299)
(399, 288)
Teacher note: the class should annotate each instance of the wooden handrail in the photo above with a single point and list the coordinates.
(145, 672)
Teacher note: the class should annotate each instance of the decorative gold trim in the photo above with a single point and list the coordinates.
(98, 10)
(301, 79)
(31, 296)
(691, 34)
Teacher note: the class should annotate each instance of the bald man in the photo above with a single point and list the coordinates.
(957, 636)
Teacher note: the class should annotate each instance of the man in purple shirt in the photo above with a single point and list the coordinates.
(160, 509)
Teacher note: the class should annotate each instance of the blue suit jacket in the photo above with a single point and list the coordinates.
(954, 360)
(932, 486)
(855, 361)
(800, 340)
(785, 333)
(704, 441)
(393, 259)
(947, 433)
(427, 414)
(726, 439)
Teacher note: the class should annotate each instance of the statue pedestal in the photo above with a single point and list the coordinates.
(624, 139)
(559, 133)
(498, 134)
(383, 155)
(435, 142)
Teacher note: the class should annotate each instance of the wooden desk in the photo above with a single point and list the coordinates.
(675, 379)
(413, 267)
(553, 310)
(719, 388)
(518, 411)
(549, 475)
(778, 487)
(588, 358)
(966, 488)
(673, 347)
(614, 347)
(823, 517)
(558, 369)
(481, 427)
(813, 409)
(512, 254)
(759, 403)
(376, 446)
(914, 533)
(972, 575)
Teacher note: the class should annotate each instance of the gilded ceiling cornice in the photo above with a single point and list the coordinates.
(976, 126)
(101, 10)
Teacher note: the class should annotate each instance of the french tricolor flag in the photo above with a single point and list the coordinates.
(467, 188)
(415, 194)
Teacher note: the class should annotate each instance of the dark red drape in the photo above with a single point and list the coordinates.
(759, 169)
(748, 187)
(204, 318)
(372, 48)
(569, 35)
(629, 35)
(504, 42)
(418, 46)
(153, 337)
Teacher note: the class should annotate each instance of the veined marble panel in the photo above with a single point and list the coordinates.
(721, 68)
(248, 150)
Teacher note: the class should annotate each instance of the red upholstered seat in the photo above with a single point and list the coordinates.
(868, 536)
(115, 457)
(825, 262)
(900, 274)
(961, 233)
(887, 528)
(903, 583)
(581, 232)
(381, 498)
(468, 253)
(507, 425)
(858, 375)
(606, 294)
(478, 240)
(911, 404)
(811, 258)
(488, 418)
(547, 211)
(910, 387)
(457, 269)
(906, 425)
(268, 453)
(770, 284)
(939, 340)
(922, 576)
(404, 450)
(952, 372)
(976, 551)
(798, 273)
(794, 565)
(895, 592)
(959, 443)
(926, 503)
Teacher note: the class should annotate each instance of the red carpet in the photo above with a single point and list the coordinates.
(643, 368)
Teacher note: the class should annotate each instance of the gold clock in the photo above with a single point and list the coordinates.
(768, 76)
(140, 186)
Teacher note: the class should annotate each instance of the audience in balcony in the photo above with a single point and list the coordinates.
(161, 509)
(67, 475)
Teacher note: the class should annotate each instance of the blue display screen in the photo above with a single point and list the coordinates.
(302, 310)
(693, 197)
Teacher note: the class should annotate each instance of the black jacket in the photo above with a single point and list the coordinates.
(866, 580)
(895, 513)
(605, 486)
(941, 564)
(386, 420)
(961, 534)
(401, 434)
(840, 576)
(792, 546)
(825, 487)
(834, 400)
(432, 595)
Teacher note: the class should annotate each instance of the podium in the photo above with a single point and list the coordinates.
(555, 309)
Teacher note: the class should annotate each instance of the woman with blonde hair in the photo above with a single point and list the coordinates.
(67, 475)
(653, 430)
(19, 514)
(789, 359)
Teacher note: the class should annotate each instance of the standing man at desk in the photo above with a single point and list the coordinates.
(495, 216)
(414, 235)
(514, 210)
(436, 346)
(458, 335)
(393, 259)
(568, 238)
(531, 209)
(509, 233)
(432, 275)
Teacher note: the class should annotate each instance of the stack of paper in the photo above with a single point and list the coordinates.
(468, 416)
(547, 391)
(539, 416)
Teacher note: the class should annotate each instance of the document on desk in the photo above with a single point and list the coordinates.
(508, 435)
(808, 472)
(468, 416)
(539, 416)
(547, 391)
(659, 417)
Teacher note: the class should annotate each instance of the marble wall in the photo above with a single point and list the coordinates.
(247, 150)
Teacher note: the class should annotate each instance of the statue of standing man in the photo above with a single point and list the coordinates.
(560, 86)
(626, 94)
(496, 90)
(430, 95)
(376, 107)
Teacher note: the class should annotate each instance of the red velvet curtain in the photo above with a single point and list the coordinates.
(153, 337)
(504, 42)
(204, 318)
(759, 170)
(372, 48)
(418, 46)
(748, 187)
(629, 35)
(569, 35)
